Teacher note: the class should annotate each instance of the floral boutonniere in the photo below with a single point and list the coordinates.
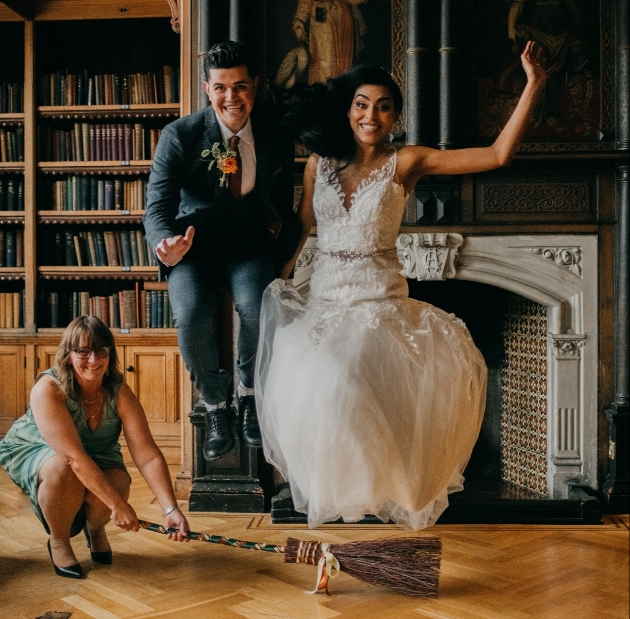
(225, 160)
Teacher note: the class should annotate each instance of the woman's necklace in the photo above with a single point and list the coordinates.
(93, 414)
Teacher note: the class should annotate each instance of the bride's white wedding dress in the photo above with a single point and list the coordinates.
(369, 402)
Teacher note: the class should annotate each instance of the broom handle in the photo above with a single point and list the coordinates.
(213, 539)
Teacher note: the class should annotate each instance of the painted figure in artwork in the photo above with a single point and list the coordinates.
(556, 26)
(329, 34)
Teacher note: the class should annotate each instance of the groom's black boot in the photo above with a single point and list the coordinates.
(248, 421)
(219, 439)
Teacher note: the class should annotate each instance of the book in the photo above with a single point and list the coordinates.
(133, 249)
(129, 309)
(93, 252)
(12, 195)
(53, 302)
(111, 249)
(19, 247)
(17, 306)
(101, 195)
(159, 319)
(128, 133)
(71, 259)
(140, 248)
(84, 193)
(154, 309)
(138, 142)
(9, 244)
(119, 204)
(100, 248)
(146, 312)
(109, 195)
(98, 143)
(8, 310)
(137, 302)
(119, 251)
(77, 249)
(84, 303)
(125, 240)
(104, 307)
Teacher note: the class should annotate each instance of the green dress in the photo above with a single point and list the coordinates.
(23, 450)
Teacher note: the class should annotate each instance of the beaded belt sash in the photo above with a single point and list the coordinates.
(350, 256)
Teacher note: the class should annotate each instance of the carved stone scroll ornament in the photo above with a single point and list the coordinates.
(569, 258)
(173, 4)
(429, 256)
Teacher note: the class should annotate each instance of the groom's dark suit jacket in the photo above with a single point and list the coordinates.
(182, 191)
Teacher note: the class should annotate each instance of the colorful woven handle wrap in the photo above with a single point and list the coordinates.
(213, 539)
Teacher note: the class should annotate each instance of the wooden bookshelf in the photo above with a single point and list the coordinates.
(89, 217)
(84, 273)
(64, 37)
(11, 273)
(95, 167)
(11, 119)
(133, 110)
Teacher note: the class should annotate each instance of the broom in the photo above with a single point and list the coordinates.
(409, 565)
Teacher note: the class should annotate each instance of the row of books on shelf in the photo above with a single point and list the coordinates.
(97, 142)
(125, 309)
(11, 98)
(93, 193)
(86, 248)
(11, 193)
(65, 88)
(11, 247)
(12, 310)
(12, 144)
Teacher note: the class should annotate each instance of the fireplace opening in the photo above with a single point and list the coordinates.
(510, 457)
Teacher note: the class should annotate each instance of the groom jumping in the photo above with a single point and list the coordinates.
(220, 216)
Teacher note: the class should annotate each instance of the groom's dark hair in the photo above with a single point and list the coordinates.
(226, 55)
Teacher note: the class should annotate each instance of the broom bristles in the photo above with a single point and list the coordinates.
(410, 565)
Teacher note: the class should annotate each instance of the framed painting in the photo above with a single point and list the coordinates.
(572, 106)
(310, 41)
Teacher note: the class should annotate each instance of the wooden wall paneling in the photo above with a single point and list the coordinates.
(12, 370)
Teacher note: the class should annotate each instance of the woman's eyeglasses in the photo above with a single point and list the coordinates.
(86, 353)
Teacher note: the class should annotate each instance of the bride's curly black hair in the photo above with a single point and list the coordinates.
(318, 114)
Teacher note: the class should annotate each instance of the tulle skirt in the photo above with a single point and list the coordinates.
(377, 416)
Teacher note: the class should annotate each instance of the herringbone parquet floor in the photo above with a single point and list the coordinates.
(488, 572)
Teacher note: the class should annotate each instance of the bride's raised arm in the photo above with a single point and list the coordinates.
(415, 162)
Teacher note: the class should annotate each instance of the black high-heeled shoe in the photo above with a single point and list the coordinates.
(104, 558)
(72, 571)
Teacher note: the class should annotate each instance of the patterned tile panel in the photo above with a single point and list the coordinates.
(524, 395)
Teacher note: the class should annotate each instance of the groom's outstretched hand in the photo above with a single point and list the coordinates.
(170, 251)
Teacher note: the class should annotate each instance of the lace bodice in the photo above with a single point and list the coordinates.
(369, 226)
(371, 223)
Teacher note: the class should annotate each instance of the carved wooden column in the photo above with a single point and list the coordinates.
(616, 488)
(622, 19)
(417, 74)
(449, 75)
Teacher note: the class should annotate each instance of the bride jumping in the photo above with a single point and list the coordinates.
(371, 402)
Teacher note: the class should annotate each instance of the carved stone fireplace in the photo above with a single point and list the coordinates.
(547, 389)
